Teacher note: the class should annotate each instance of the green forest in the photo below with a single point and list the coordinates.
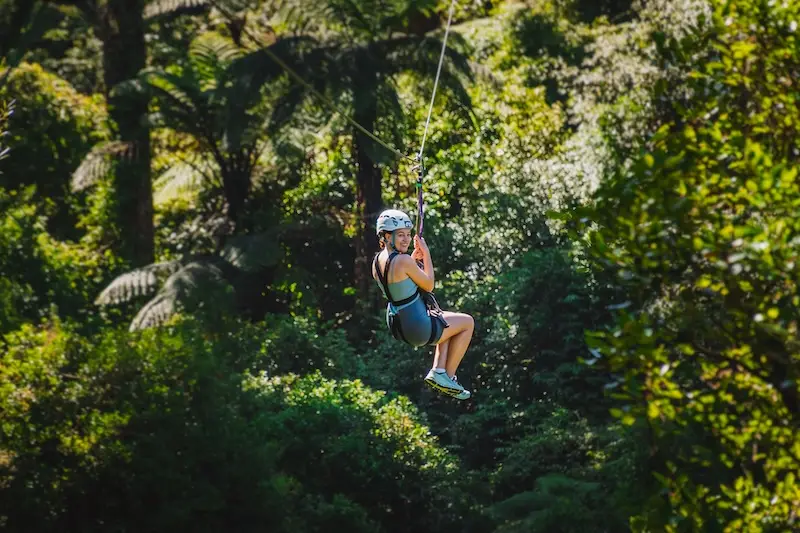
(190, 336)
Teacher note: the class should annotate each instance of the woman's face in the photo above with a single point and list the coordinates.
(402, 239)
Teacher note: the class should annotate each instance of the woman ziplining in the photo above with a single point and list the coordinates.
(412, 313)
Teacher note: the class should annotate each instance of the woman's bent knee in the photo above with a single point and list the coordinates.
(461, 321)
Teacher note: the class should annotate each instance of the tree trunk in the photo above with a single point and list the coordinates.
(369, 204)
(236, 185)
(121, 28)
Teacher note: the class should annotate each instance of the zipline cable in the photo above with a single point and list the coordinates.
(436, 81)
(420, 161)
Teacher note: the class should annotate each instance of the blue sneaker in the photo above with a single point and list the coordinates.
(464, 394)
(444, 383)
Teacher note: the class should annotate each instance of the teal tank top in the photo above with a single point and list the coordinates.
(401, 289)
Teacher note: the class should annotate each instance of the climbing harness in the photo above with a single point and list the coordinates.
(432, 306)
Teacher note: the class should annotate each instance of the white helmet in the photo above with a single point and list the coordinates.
(392, 219)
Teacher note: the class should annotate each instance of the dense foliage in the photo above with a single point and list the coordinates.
(704, 239)
(189, 340)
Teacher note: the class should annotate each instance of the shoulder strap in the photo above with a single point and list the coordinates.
(383, 276)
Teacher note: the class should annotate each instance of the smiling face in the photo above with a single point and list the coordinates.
(402, 239)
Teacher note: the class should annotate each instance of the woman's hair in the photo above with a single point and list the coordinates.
(382, 239)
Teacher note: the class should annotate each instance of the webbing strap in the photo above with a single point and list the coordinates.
(397, 330)
(433, 331)
(420, 208)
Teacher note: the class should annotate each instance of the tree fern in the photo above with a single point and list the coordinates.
(210, 54)
(354, 15)
(193, 283)
(97, 163)
(284, 110)
(219, 99)
(248, 74)
(182, 178)
(179, 99)
(186, 288)
(156, 8)
(235, 5)
(135, 283)
(421, 54)
(181, 91)
(155, 312)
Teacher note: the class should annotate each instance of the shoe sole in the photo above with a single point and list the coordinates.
(435, 385)
(449, 392)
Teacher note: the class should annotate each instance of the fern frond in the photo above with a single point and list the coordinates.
(284, 109)
(420, 55)
(193, 277)
(194, 285)
(180, 179)
(210, 54)
(156, 8)
(215, 46)
(174, 90)
(139, 282)
(247, 75)
(235, 5)
(155, 312)
(97, 163)
(353, 15)
(177, 96)
(6, 110)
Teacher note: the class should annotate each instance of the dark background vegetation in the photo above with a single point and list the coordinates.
(189, 336)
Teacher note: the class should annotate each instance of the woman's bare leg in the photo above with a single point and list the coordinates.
(458, 337)
(440, 355)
